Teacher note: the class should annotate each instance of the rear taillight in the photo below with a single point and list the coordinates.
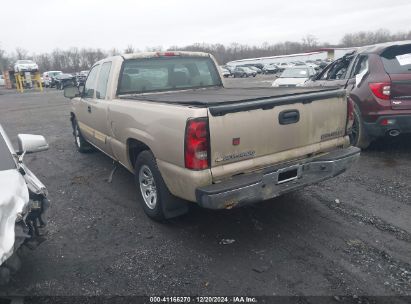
(350, 115)
(196, 148)
(381, 90)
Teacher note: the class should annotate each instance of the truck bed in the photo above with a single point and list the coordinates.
(221, 100)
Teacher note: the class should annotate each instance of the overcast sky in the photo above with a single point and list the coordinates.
(41, 26)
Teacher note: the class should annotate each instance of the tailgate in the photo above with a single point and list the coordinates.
(397, 63)
(401, 91)
(246, 132)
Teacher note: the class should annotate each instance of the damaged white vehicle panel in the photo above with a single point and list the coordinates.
(23, 198)
(14, 198)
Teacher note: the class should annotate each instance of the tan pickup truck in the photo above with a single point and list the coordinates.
(167, 117)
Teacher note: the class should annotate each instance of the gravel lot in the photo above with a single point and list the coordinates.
(346, 236)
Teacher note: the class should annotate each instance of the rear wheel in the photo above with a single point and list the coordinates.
(155, 198)
(358, 136)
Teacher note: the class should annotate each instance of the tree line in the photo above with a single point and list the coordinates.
(77, 59)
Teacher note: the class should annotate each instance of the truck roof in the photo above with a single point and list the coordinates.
(164, 54)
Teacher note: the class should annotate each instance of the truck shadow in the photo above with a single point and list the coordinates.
(400, 144)
(249, 227)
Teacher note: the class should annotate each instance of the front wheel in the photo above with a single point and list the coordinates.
(82, 145)
(358, 136)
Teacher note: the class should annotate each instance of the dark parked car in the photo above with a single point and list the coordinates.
(81, 78)
(244, 72)
(271, 69)
(378, 79)
(256, 65)
(254, 68)
(63, 80)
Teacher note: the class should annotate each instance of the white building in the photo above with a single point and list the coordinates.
(323, 54)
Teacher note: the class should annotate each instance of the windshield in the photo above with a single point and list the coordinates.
(6, 159)
(165, 74)
(397, 59)
(295, 73)
(25, 61)
(54, 73)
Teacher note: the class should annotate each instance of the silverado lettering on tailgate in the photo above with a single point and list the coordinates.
(235, 156)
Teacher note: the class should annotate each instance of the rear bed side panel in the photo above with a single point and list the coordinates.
(161, 127)
(263, 138)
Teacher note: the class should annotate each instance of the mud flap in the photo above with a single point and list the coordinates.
(175, 207)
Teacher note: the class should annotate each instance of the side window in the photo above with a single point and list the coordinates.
(360, 66)
(102, 80)
(338, 71)
(91, 82)
(327, 70)
(360, 70)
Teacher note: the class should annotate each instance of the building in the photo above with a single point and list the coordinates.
(320, 54)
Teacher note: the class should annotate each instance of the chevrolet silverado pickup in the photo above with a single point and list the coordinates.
(168, 118)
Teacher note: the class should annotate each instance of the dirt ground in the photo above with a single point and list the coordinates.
(347, 236)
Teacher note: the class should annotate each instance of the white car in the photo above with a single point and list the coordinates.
(25, 66)
(293, 77)
(284, 65)
(2, 82)
(48, 77)
(225, 72)
(23, 200)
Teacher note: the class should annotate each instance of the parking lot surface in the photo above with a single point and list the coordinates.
(349, 235)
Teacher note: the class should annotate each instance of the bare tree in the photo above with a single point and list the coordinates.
(21, 53)
(113, 52)
(310, 41)
(129, 49)
(158, 48)
(74, 59)
(4, 60)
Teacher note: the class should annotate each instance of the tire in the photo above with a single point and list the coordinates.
(4, 275)
(358, 136)
(155, 198)
(82, 145)
(13, 263)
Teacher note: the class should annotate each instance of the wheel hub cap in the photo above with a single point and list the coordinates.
(147, 186)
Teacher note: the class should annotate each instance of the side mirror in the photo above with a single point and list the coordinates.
(71, 92)
(81, 89)
(29, 143)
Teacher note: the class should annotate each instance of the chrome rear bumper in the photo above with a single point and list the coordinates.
(275, 181)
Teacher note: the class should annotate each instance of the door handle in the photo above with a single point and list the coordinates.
(288, 117)
(89, 109)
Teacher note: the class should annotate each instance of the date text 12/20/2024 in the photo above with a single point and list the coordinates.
(200, 299)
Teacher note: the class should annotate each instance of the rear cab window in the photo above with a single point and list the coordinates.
(397, 59)
(167, 74)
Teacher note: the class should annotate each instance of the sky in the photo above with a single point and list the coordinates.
(41, 26)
